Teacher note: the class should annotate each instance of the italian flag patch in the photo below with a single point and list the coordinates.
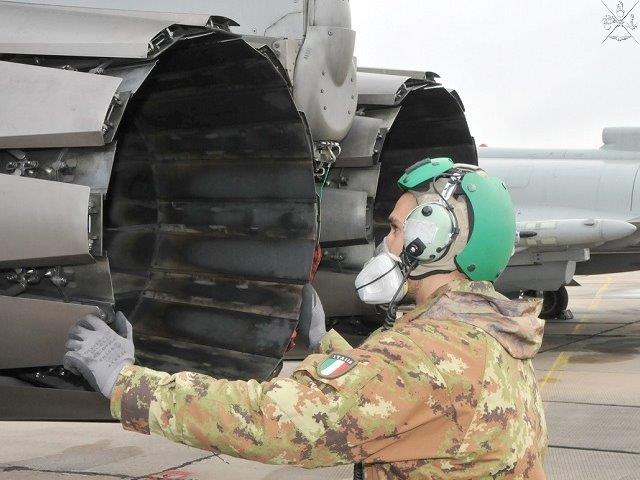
(335, 366)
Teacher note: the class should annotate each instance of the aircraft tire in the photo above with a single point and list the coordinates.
(554, 304)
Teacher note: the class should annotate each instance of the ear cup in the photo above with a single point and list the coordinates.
(434, 226)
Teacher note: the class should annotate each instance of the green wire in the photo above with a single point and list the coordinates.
(324, 182)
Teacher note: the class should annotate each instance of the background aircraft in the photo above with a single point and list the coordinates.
(577, 213)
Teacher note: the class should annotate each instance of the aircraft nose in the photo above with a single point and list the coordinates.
(616, 229)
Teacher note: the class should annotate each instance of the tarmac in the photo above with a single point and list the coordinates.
(589, 372)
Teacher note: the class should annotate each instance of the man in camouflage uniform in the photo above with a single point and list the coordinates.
(449, 392)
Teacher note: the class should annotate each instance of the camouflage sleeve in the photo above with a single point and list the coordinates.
(284, 421)
(333, 342)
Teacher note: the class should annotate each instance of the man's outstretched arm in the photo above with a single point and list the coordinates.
(284, 421)
(336, 409)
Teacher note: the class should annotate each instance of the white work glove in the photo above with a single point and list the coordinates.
(312, 325)
(98, 353)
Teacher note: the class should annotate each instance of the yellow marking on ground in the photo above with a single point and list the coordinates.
(595, 303)
(560, 362)
(564, 357)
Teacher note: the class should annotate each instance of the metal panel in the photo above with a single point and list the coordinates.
(550, 276)
(360, 179)
(330, 13)
(327, 66)
(533, 257)
(380, 89)
(33, 210)
(350, 258)
(87, 284)
(33, 332)
(133, 76)
(388, 115)
(33, 117)
(107, 8)
(48, 30)
(275, 18)
(414, 74)
(91, 166)
(362, 145)
(345, 218)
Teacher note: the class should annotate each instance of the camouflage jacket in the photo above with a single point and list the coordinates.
(448, 393)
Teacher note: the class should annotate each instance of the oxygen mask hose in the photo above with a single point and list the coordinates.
(414, 250)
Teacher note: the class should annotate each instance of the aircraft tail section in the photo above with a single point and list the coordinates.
(626, 139)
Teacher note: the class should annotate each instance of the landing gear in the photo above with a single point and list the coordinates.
(554, 304)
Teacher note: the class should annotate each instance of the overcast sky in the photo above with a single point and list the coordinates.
(531, 74)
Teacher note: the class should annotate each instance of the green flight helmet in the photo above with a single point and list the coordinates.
(492, 216)
(418, 177)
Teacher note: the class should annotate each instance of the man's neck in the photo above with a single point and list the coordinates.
(429, 285)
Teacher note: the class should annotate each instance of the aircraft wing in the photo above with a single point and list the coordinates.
(547, 251)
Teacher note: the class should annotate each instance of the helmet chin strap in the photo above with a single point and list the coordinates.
(430, 274)
(410, 262)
